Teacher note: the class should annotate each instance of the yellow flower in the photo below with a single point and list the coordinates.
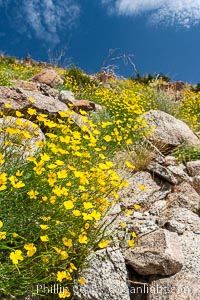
(26, 135)
(129, 165)
(52, 166)
(103, 244)
(3, 178)
(61, 275)
(88, 205)
(45, 157)
(7, 105)
(18, 173)
(76, 213)
(82, 280)
(72, 268)
(131, 243)
(52, 199)
(136, 206)
(87, 225)
(15, 234)
(3, 187)
(40, 144)
(19, 114)
(44, 238)
(64, 294)
(1, 158)
(107, 138)
(31, 249)
(123, 225)
(64, 255)
(62, 174)
(31, 99)
(142, 187)
(33, 194)
(82, 239)
(1, 224)
(46, 219)
(96, 215)
(103, 166)
(67, 242)
(128, 212)
(59, 162)
(63, 114)
(68, 204)
(87, 217)
(16, 256)
(31, 111)
(133, 234)
(18, 185)
(2, 235)
(45, 259)
(44, 227)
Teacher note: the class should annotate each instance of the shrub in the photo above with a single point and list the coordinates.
(76, 80)
(52, 207)
(190, 109)
(135, 158)
(187, 153)
(161, 101)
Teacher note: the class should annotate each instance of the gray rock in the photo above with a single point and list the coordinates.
(144, 226)
(26, 85)
(158, 252)
(45, 104)
(19, 100)
(159, 159)
(179, 173)
(170, 161)
(181, 286)
(169, 132)
(144, 189)
(190, 243)
(106, 277)
(53, 92)
(162, 172)
(184, 195)
(158, 207)
(196, 183)
(182, 216)
(193, 168)
(67, 97)
(175, 226)
(115, 209)
(184, 285)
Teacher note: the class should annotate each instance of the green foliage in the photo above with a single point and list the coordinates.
(53, 205)
(146, 79)
(190, 109)
(187, 153)
(196, 88)
(161, 101)
(76, 77)
(12, 69)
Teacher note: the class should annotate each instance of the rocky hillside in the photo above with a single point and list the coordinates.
(100, 186)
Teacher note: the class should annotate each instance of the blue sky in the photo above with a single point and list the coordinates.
(158, 35)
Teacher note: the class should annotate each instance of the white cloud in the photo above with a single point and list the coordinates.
(169, 12)
(43, 18)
